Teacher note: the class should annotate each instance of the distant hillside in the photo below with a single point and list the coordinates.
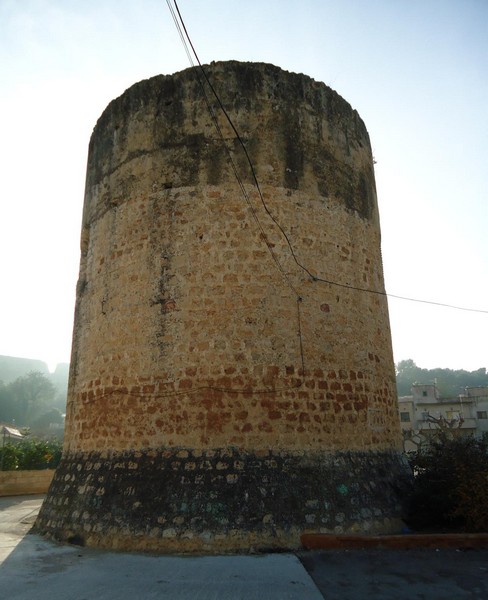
(60, 376)
(12, 367)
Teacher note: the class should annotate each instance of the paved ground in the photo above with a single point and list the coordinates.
(424, 574)
(35, 568)
(31, 567)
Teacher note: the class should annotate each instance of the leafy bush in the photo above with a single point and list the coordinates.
(450, 485)
(8, 458)
(31, 454)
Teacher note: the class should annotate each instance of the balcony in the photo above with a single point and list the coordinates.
(424, 425)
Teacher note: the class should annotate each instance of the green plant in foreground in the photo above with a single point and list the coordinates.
(31, 454)
(450, 490)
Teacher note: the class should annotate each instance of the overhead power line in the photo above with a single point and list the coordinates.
(188, 44)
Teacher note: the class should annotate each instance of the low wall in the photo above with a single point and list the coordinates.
(19, 483)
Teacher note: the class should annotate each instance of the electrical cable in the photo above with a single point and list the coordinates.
(256, 182)
(240, 182)
(222, 137)
(179, 23)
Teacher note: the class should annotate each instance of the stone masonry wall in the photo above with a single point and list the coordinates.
(208, 347)
(197, 332)
(223, 500)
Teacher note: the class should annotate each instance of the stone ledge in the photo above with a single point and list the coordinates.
(318, 541)
(19, 483)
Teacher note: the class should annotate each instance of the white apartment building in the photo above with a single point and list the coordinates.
(425, 412)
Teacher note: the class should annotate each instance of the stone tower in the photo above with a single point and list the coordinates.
(232, 383)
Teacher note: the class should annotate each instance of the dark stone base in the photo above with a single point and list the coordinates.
(222, 500)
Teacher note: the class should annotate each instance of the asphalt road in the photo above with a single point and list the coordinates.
(423, 574)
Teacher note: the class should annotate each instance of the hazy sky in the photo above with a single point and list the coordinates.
(416, 71)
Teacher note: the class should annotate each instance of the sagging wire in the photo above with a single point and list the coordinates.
(182, 28)
(314, 277)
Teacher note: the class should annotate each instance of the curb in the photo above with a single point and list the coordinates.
(323, 541)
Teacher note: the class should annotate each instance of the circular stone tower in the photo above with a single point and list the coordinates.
(232, 383)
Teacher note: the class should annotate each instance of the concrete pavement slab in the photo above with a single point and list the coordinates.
(17, 515)
(46, 571)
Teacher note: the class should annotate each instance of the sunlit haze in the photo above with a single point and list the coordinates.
(416, 71)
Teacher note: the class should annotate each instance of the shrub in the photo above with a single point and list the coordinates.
(450, 485)
(9, 459)
(31, 454)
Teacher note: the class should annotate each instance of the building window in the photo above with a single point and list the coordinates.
(481, 414)
(405, 417)
(424, 393)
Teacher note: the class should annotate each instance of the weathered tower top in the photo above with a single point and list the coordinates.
(300, 134)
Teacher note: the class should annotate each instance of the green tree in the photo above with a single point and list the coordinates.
(450, 383)
(42, 426)
(407, 373)
(7, 404)
(32, 393)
